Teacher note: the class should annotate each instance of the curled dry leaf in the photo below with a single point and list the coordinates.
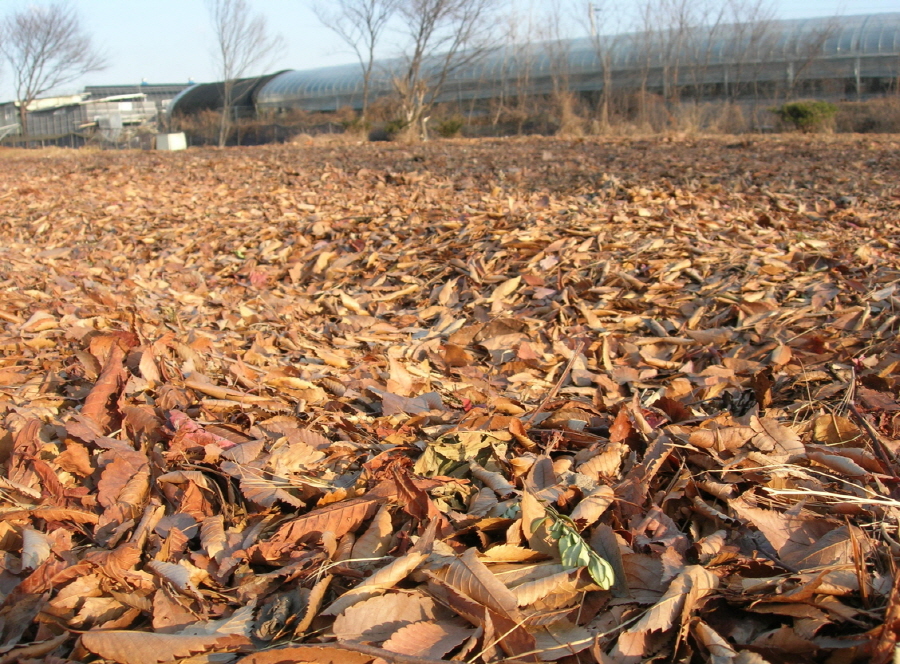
(592, 506)
(682, 594)
(313, 604)
(97, 406)
(178, 575)
(494, 481)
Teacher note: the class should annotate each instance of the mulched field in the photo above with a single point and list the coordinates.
(521, 400)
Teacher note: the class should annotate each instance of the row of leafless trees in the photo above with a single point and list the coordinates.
(441, 36)
(663, 36)
(46, 47)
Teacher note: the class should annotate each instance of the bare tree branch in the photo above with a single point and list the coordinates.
(242, 45)
(45, 47)
(444, 36)
(360, 24)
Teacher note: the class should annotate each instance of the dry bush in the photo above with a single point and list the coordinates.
(876, 116)
(201, 128)
(729, 119)
(571, 124)
(715, 117)
(309, 140)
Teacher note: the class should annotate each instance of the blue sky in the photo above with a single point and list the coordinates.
(169, 41)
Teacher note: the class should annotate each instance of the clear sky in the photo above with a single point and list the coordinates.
(169, 41)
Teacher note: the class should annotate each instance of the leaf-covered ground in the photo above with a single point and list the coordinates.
(529, 400)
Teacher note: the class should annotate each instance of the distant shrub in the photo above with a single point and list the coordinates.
(806, 116)
(356, 126)
(450, 127)
(389, 131)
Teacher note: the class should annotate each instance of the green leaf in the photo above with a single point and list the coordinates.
(601, 571)
(557, 529)
(573, 550)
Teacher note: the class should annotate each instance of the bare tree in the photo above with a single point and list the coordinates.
(512, 76)
(557, 46)
(808, 49)
(46, 47)
(605, 25)
(242, 44)
(360, 24)
(646, 46)
(753, 35)
(443, 36)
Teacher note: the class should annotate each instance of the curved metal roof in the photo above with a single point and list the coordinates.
(874, 37)
(206, 96)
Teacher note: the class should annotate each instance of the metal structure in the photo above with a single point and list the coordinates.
(210, 96)
(161, 94)
(106, 112)
(848, 57)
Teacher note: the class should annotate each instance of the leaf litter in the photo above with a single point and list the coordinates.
(635, 401)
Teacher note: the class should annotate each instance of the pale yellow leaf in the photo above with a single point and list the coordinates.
(375, 541)
(505, 289)
(35, 548)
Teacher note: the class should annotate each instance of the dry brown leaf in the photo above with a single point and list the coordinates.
(314, 603)
(790, 536)
(52, 514)
(428, 639)
(560, 639)
(603, 541)
(35, 548)
(683, 592)
(773, 436)
(592, 506)
(337, 518)
(129, 647)
(530, 592)
(835, 430)
(310, 654)
(378, 618)
(212, 535)
(470, 576)
(178, 575)
(507, 553)
(97, 406)
(720, 651)
(382, 580)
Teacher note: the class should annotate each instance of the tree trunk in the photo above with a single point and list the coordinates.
(23, 120)
(223, 127)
